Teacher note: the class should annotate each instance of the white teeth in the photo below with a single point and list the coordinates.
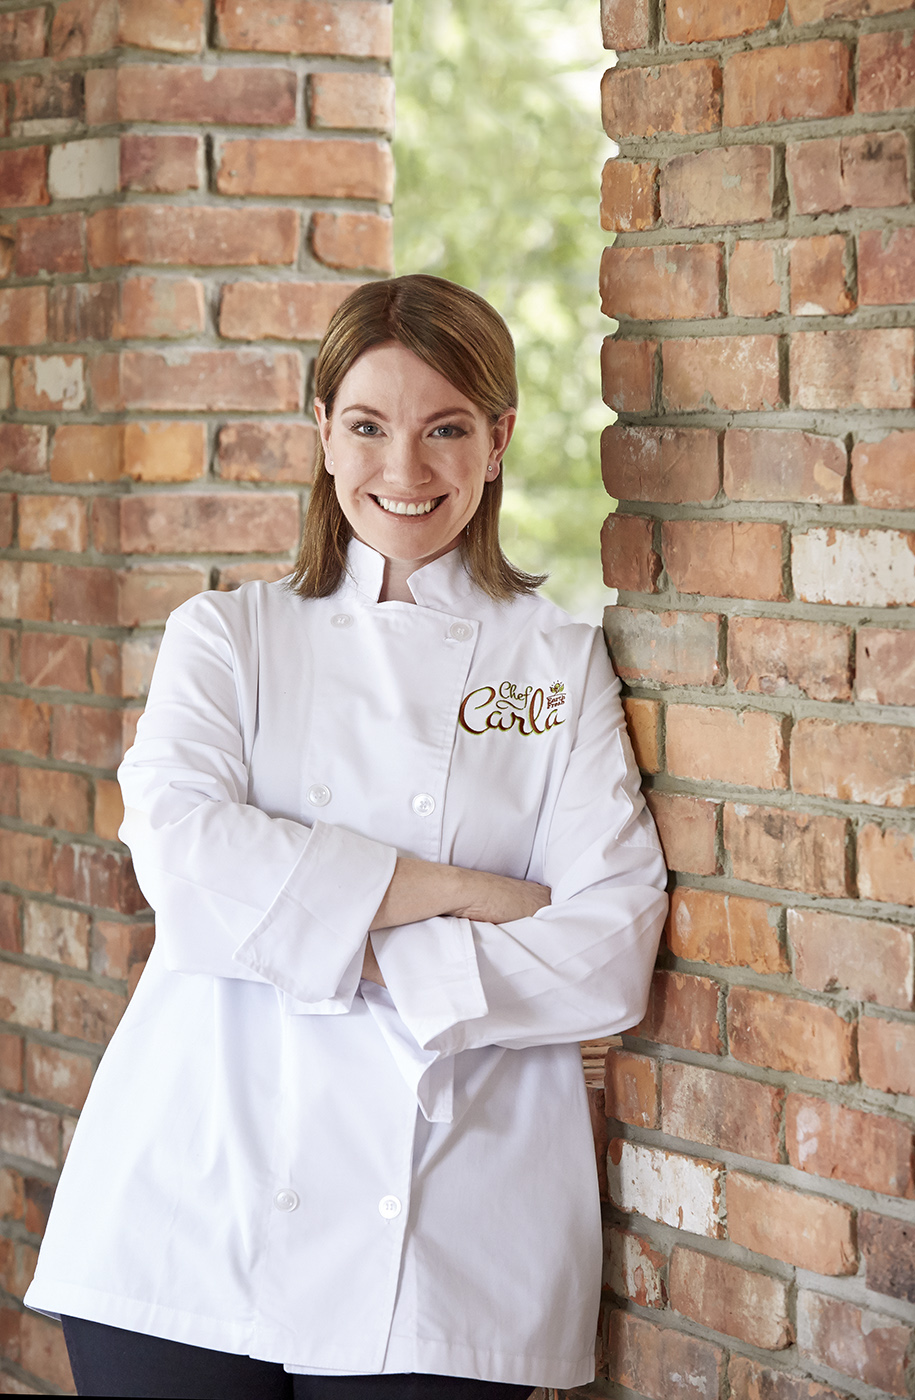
(404, 507)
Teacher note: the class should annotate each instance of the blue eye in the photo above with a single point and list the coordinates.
(366, 429)
(448, 430)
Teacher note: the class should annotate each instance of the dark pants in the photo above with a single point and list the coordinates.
(109, 1361)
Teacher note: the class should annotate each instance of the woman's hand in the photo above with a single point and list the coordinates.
(422, 889)
(498, 899)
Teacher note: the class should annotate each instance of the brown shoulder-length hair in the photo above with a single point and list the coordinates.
(458, 334)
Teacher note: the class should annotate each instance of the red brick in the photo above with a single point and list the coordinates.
(160, 307)
(162, 451)
(642, 723)
(119, 947)
(628, 195)
(52, 522)
(888, 1247)
(787, 850)
(45, 383)
(634, 1269)
(680, 648)
(864, 1149)
(335, 168)
(886, 1050)
(23, 316)
(353, 240)
(799, 83)
(728, 559)
(881, 472)
(26, 996)
(886, 267)
(22, 35)
(351, 101)
(138, 657)
(84, 27)
(101, 85)
(861, 172)
(150, 593)
(669, 283)
(706, 926)
(87, 452)
(359, 29)
(855, 1341)
(869, 959)
(886, 71)
(161, 164)
(86, 1012)
(82, 311)
(773, 465)
(885, 666)
(860, 368)
(23, 447)
(721, 1110)
(810, 1232)
(56, 934)
(39, 1196)
(628, 374)
(44, 1352)
(661, 1363)
(730, 372)
(59, 1076)
(227, 523)
(797, 1037)
(12, 1200)
(50, 798)
(151, 92)
(872, 763)
(725, 185)
(31, 1133)
(25, 591)
(24, 725)
(105, 666)
(51, 244)
(10, 921)
(819, 281)
(24, 177)
(258, 451)
(886, 865)
(17, 1267)
(89, 875)
(813, 11)
(86, 596)
(161, 233)
(677, 97)
(87, 734)
(697, 20)
(50, 96)
(627, 551)
(741, 747)
(686, 826)
(269, 381)
(9, 807)
(279, 310)
(682, 1011)
(658, 464)
(11, 1047)
(729, 1299)
(7, 519)
(624, 24)
(631, 1088)
(175, 26)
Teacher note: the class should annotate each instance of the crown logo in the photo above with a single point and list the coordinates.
(556, 687)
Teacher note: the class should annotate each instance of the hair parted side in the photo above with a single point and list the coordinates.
(461, 336)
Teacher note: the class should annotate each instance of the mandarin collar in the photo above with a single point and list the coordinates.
(443, 585)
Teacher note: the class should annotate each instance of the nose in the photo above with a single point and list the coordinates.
(405, 465)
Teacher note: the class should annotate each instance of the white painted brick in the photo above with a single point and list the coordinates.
(81, 169)
(633, 1268)
(684, 1192)
(864, 568)
(61, 378)
(138, 656)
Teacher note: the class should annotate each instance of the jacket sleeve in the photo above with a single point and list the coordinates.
(578, 969)
(237, 892)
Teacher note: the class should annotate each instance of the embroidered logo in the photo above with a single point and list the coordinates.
(530, 710)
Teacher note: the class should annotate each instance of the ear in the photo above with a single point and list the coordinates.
(501, 437)
(324, 429)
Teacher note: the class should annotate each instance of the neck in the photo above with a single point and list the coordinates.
(394, 588)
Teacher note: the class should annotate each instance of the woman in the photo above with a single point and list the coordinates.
(388, 818)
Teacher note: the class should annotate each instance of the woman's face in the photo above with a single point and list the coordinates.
(408, 453)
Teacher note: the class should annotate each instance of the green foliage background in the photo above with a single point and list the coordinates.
(498, 151)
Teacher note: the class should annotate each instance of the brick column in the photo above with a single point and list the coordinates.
(762, 1236)
(187, 190)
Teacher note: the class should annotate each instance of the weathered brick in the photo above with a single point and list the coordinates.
(686, 826)
(101, 96)
(729, 559)
(677, 97)
(630, 561)
(886, 864)
(721, 1110)
(634, 1269)
(800, 83)
(886, 1050)
(888, 1247)
(631, 1088)
(24, 177)
(860, 568)
(669, 283)
(24, 725)
(22, 35)
(56, 934)
(872, 763)
(730, 372)
(666, 1186)
(86, 1012)
(11, 1078)
(819, 281)
(628, 195)
(860, 1343)
(50, 97)
(882, 474)
(119, 947)
(31, 1133)
(728, 930)
(628, 374)
(228, 523)
(698, 20)
(682, 1010)
(868, 1150)
(798, 1037)
(786, 849)
(149, 593)
(162, 451)
(10, 930)
(670, 647)
(84, 169)
(730, 184)
(160, 164)
(268, 381)
(775, 656)
(9, 807)
(351, 101)
(886, 267)
(7, 519)
(859, 368)
(60, 1076)
(870, 959)
(50, 798)
(660, 1363)
(160, 307)
(810, 1232)
(813, 11)
(840, 172)
(359, 29)
(151, 92)
(84, 27)
(105, 666)
(23, 316)
(258, 451)
(205, 237)
(624, 24)
(50, 244)
(711, 744)
(85, 596)
(729, 1299)
(353, 240)
(26, 996)
(755, 275)
(25, 591)
(885, 666)
(173, 26)
(660, 464)
(642, 718)
(781, 465)
(335, 168)
(52, 522)
(23, 448)
(886, 71)
(279, 310)
(45, 383)
(139, 655)
(82, 311)
(87, 734)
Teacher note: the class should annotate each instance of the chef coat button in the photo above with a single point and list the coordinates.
(460, 631)
(318, 795)
(390, 1207)
(341, 620)
(286, 1200)
(423, 804)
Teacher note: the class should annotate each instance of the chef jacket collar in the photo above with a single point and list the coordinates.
(443, 585)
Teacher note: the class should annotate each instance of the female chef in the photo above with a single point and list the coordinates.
(388, 818)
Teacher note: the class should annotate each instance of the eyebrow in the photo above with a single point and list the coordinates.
(433, 417)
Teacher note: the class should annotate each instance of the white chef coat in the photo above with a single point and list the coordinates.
(278, 1159)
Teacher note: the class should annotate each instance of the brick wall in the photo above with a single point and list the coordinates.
(761, 1231)
(186, 192)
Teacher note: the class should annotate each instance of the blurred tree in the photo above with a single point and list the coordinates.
(498, 150)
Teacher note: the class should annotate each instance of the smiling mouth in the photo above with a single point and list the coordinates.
(408, 507)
